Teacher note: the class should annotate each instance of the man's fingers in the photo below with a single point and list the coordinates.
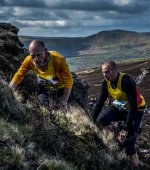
(63, 108)
(122, 136)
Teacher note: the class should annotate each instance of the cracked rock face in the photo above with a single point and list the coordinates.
(10, 49)
(8, 34)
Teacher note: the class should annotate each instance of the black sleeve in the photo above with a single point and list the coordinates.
(101, 100)
(129, 87)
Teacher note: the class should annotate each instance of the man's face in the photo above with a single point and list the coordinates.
(38, 55)
(108, 73)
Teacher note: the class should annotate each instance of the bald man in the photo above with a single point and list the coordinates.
(51, 69)
(128, 105)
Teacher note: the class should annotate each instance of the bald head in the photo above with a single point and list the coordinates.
(37, 44)
(111, 64)
(109, 70)
(37, 52)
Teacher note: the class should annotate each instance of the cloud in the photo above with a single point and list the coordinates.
(122, 6)
(22, 3)
(72, 17)
(44, 24)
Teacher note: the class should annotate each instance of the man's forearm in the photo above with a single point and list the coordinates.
(129, 120)
(97, 109)
(133, 109)
(66, 94)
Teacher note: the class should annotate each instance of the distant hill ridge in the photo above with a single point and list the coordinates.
(114, 42)
(115, 35)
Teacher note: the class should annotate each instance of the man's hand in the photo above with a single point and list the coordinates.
(63, 106)
(122, 136)
(12, 85)
(63, 100)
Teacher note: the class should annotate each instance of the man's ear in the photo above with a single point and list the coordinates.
(46, 50)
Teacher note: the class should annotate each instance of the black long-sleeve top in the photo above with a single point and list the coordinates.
(128, 85)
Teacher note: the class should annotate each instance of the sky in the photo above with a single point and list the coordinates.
(75, 18)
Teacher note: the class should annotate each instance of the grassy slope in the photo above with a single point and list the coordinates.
(33, 137)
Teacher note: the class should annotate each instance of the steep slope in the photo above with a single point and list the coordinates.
(33, 137)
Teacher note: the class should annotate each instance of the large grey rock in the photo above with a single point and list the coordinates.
(79, 92)
(9, 41)
(11, 51)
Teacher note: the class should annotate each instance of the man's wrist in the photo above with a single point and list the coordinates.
(12, 85)
(63, 103)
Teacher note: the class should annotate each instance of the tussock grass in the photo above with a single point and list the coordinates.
(17, 157)
(72, 133)
(11, 149)
(9, 131)
(10, 102)
(54, 164)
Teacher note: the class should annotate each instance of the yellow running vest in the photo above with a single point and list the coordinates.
(48, 76)
(118, 94)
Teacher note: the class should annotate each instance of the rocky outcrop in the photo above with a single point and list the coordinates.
(79, 91)
(8, 33)
(9, 41)
(10, 48)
